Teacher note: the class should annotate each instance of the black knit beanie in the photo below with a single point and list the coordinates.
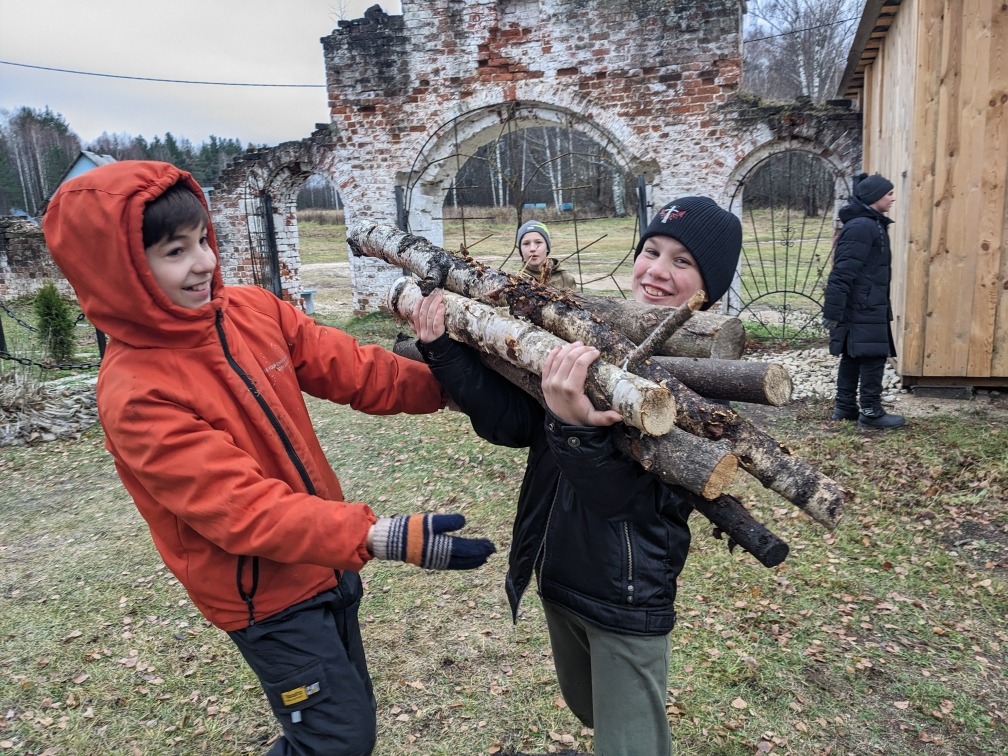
(712, 235)
(536, 226)
(872, 188)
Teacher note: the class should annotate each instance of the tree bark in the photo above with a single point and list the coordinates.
(732, 519)
(706, 334)
(702, 467)
(643, 404)
(732, 380)
(559, 313)
(725, 512)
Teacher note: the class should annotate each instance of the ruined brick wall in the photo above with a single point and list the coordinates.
(25, 262)
(645, 75)
(656, 81)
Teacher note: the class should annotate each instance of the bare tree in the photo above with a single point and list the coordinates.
(798, 47)
(339, 10)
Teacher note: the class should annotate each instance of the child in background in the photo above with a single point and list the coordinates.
(858, 308)
(534, 248)
(605, 539)
(200, 398)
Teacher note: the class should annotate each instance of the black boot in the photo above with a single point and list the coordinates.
(842, 412)
(876, 418)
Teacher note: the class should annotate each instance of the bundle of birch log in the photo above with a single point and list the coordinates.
(657, 366)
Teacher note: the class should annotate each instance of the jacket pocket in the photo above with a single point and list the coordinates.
(298, 691)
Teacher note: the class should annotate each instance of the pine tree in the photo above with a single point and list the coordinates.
(55, 322)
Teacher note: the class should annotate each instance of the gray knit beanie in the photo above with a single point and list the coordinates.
(870, 189)
(711, 234)
(536, 226)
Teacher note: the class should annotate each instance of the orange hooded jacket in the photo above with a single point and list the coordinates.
(203, 409)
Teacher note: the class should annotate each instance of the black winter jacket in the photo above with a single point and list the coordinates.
(606, 539)
(857, 291)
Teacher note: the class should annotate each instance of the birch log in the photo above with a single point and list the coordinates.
(760, 455)
(706, 334)
(643, 404)
(702, 467)
(725, 512)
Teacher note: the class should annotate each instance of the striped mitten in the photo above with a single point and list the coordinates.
(418, 539)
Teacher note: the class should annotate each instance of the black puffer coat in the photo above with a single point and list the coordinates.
(606, 539)
(857, 291)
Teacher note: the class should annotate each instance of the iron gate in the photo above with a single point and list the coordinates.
(786, 203)
(533, 167)
(262, 240)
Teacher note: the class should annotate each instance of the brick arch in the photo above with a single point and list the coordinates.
(432, 168)
(789, 302)
(280, 172)
(831, 132)
(394, 80)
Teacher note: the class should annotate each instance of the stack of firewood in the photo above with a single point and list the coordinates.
(657, 366)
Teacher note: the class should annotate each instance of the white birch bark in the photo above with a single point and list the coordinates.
(642, 404)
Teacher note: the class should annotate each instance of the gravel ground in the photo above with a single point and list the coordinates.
(813, 375)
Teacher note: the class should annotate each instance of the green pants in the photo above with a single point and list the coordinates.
(615, 683)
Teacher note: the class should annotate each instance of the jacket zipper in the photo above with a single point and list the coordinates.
(629, 553)
(288, 447)
(541, 551)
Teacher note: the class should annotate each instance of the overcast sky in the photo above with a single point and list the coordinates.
(235, 41)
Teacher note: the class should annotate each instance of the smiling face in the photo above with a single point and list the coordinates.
(533, 250)
(183, 265)
(665, 273)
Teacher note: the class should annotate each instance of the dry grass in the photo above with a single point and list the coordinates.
(886, 636)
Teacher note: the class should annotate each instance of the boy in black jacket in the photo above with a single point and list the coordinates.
(606, 539)
(857, 309)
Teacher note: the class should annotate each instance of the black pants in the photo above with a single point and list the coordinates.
(310, 661)
(866, 371)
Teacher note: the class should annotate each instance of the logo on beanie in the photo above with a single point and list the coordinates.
(671, 213)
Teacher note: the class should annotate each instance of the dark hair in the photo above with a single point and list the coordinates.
(177, 208)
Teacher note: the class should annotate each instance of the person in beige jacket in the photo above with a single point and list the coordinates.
(533, 244)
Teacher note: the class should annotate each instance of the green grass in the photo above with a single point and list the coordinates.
(321, 242)
(885, 636)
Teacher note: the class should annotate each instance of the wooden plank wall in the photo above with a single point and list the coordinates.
(936, 124)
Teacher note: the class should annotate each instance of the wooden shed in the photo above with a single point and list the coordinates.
(931, 80)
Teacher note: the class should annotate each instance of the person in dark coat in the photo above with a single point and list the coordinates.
(858, 310)
(604, 539)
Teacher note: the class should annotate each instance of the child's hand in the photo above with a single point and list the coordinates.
(428, 317)
(418, 539)
(563, 382)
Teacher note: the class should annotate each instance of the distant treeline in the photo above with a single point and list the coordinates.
(38, 146)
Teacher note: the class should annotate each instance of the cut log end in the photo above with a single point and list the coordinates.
(721, 477)
(777, 385)
(652, 411)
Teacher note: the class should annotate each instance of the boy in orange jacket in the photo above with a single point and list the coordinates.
(200, 397)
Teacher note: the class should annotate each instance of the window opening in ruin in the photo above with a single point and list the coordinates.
(787, 209)
(321, 231)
